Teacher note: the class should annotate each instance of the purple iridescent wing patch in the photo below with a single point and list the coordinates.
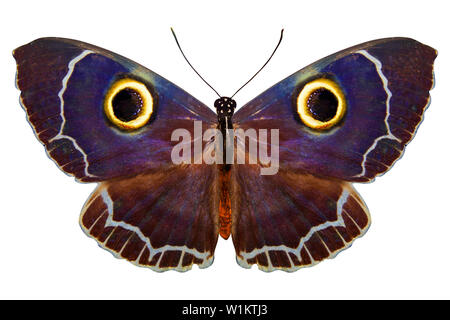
(63, 84)
(386, 84)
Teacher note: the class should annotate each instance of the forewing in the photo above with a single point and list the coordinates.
(63, 85)
(386, 84)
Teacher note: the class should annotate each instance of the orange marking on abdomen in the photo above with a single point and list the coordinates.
(225, 203)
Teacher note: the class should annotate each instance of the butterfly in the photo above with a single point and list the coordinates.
(106, 119)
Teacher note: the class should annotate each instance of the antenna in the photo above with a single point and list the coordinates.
(179, 47)
(281, 38)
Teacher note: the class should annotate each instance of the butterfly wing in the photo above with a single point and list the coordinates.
(308, 211)
(292, 220)
(162, 220)
(386, 84)
(145, 209)
(63, 85)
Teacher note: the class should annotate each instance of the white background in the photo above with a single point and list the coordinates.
(44, 253)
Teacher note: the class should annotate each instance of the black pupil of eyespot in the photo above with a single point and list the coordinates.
(322, 104)
(127, 104)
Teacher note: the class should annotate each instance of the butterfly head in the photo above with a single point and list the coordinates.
(225, 107)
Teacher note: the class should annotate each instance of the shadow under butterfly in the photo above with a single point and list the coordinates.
(104, 118)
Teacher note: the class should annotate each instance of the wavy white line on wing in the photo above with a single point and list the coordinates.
(61, 92)
(153, 251)
(339, 222)
(389, 134)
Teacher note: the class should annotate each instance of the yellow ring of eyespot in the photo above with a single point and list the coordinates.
(147, 104)
(302, 105)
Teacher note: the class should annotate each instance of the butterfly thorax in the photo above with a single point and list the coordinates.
(225, 108)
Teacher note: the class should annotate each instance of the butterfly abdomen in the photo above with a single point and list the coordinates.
(225, 202)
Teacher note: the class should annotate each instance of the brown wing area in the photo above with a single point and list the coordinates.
(163, 220)
(290, 220)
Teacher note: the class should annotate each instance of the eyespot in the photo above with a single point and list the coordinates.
(128, 104)
(321, 104)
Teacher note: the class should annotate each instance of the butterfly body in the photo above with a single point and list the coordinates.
(290, 204)
(225, 107)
